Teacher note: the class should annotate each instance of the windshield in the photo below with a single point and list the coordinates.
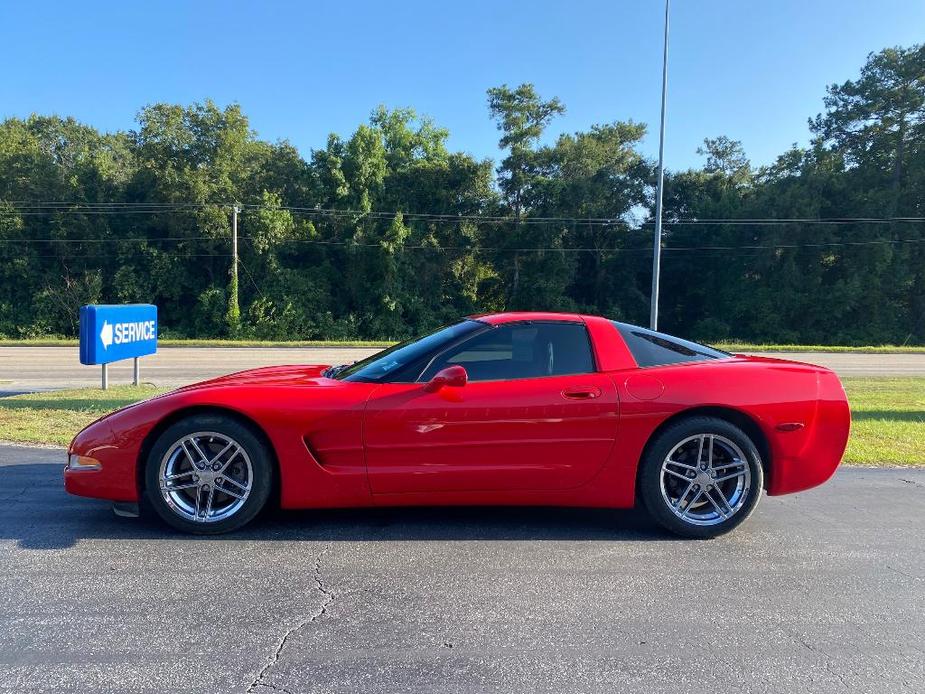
(389, 363)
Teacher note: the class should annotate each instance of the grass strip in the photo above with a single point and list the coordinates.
(888, 415)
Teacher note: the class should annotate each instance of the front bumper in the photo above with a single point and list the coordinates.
(105, 482)
(98, 468)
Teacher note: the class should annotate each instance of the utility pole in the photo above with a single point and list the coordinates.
(234, 250)
(233, 315)
(657, 244)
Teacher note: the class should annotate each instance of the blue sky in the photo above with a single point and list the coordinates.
(754, 71)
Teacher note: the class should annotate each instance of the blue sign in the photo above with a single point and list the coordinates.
(113, 332)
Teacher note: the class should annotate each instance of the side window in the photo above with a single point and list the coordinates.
(521, 350)
(657, 349)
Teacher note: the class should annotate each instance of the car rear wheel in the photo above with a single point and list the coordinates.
(701, 477)
(208, 474)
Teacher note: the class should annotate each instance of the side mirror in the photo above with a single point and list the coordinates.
(455, 376)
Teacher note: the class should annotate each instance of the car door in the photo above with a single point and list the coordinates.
(534, 415)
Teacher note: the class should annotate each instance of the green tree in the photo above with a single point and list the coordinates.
(522, 116)
(386, 232)
(873, 120)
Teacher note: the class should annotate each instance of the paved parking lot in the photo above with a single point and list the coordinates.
(820, 592)
(36, 368)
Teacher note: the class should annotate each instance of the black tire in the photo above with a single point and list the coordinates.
(258, 476)
(725, 438)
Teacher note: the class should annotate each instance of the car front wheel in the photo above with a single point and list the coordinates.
(701, 477)
(208, 474)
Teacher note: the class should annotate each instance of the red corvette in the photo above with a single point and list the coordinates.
(512, 408)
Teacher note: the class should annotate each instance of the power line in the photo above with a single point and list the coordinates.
(570, 249)
(474, 248)
(69, 256)
(727, 251)
(251, 278)
(789, 222)
(75, 203)
(876, 242)
(115, 240)
(101, 212)
(597, 221)
(119, 208)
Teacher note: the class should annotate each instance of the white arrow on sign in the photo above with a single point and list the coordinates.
(106, 334)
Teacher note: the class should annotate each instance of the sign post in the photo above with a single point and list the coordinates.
(111, 333)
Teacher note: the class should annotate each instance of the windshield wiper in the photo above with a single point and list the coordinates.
(332, 371)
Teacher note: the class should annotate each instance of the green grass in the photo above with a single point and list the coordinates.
(888, 415)
(888, 421)
(54, 417)
(863, 349)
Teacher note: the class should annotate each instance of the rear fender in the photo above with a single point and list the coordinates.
(809, 460)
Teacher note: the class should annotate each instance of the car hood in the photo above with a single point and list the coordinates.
(146, 413)
(291, 375)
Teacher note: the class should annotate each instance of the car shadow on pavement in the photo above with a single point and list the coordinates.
(37, 513)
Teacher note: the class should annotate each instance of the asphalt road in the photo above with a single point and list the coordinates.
(31, 368)
(24, 369)
(819, 592)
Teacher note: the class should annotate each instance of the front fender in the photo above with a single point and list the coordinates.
(315, 432)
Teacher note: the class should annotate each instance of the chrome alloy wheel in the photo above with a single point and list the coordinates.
(205, 477)
(705, 479)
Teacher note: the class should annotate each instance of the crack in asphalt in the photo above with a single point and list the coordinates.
(903, 573)
(274, 688)
(827, 662)
(17, 498)
(328, 600)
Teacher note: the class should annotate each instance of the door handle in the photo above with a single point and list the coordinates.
(581, 393)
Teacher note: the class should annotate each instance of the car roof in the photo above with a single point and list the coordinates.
(520, 316)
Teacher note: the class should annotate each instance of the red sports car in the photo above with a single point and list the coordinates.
(510, 408)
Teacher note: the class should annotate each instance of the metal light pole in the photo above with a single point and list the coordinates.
(657, 247)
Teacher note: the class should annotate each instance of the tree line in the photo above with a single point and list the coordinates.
(388, 233)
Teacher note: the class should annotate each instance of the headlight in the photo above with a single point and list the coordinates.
(82, 462)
